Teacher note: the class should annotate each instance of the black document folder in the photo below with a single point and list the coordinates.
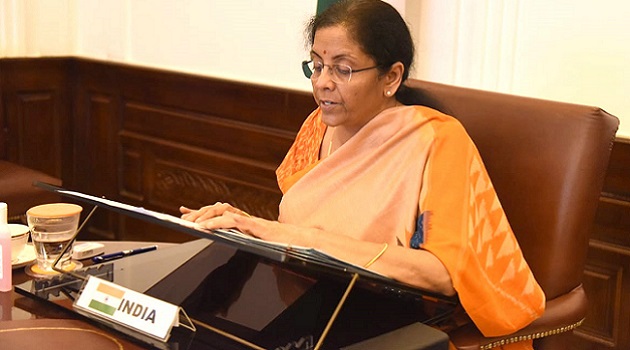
(270, 295)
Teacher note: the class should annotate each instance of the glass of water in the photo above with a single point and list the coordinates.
(53, 227)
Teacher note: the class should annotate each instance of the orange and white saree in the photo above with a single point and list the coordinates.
(412, 176)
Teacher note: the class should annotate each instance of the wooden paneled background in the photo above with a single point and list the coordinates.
(162, 139)
(146, 137)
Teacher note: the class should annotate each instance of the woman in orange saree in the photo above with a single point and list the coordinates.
(399, 189)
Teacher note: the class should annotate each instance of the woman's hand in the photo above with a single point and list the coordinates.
(223, 215)
(416, 267)
(208, 212)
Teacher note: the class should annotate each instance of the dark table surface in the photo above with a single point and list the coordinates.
(218, 286)
(20, 311)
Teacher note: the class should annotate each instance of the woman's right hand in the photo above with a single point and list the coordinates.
(208, 212)
(224, 216)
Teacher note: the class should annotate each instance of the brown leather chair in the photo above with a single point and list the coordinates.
(17, 190)
(547, 161)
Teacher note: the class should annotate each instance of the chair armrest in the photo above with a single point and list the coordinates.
(562, 314)
(17, 190)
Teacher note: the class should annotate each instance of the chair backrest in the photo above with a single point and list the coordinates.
(547, 161)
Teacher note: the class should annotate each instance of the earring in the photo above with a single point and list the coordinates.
(388, 93)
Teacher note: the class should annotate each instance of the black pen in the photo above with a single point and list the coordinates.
(122, 254)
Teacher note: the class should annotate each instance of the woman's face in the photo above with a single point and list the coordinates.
(352, 104)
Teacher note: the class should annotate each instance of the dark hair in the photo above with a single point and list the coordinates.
(375, 25)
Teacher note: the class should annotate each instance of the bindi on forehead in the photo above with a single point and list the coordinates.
(325, 52)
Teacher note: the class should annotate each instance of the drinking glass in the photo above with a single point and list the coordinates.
(53, 227)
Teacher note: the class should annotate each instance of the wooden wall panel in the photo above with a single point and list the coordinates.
(36, 112)
(161, 139)
(617, 182)
(173, 175)
(603, 284)
(97, 171)
(266, 107)
(607, 276)
(132, 171)
(101, 145)
(209, 132)
(36, 128)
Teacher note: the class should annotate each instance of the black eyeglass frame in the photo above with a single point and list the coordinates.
(308, 73)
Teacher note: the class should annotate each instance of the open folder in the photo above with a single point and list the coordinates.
(276, 251)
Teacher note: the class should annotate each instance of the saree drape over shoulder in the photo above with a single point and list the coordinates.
(412, 176)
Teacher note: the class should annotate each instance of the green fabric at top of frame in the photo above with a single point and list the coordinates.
(323, 4)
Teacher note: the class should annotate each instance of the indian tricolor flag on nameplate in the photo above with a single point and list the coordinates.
(151, 316)
(106, 298)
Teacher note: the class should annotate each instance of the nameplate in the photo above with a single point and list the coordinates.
(129, 308)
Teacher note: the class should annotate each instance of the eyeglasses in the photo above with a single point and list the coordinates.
(340, 73)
